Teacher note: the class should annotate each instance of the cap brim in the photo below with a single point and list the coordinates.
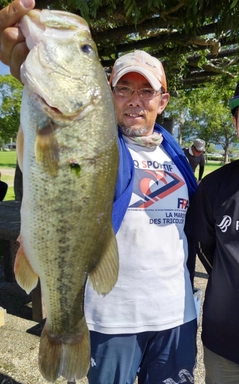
(234, 102)
(155, 83)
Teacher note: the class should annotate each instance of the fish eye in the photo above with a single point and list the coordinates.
(86, 48)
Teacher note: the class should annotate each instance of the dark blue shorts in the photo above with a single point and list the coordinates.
(165, 357)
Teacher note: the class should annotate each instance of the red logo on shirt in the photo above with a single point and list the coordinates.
(151, 186)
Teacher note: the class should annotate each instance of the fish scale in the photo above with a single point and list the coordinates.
(67, 150)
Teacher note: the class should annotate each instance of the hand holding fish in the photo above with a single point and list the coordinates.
(13, 49)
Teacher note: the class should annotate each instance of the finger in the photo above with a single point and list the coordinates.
(12, 13)
(13, 50)
(9, 39)
(19, 54)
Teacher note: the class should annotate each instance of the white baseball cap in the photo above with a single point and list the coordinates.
(143, 63)
(199, 144)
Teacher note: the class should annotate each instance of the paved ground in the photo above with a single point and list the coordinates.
(8, 172)
(19, 337)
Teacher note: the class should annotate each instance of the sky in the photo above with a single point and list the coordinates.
(4, 70)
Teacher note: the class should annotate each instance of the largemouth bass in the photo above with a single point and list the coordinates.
(67, 150)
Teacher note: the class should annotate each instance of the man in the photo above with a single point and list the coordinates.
(195, 156)
(216, 209)
(146, 325)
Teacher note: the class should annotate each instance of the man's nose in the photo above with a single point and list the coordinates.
(134, 98)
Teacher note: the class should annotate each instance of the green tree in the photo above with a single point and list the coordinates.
(178, 109)
(204, 112)
(10, 104)
(195, 40)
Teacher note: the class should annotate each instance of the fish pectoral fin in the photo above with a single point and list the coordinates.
(62, 355)
(25, 276)
(47, 152)
(105, 274)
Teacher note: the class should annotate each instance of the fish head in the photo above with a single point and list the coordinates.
(62, 67)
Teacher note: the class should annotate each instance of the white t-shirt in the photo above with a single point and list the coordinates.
(153, 291)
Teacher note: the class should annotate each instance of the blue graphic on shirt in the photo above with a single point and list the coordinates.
(151, 186)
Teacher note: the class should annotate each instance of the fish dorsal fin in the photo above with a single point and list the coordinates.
(105, 274)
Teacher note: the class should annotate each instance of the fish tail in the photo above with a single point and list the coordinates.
(67, 356)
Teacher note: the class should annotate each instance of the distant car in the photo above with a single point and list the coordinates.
(215, 155)
(10, 146)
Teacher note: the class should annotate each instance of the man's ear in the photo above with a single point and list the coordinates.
(163, 102)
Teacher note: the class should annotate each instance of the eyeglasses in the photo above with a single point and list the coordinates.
(143, 93)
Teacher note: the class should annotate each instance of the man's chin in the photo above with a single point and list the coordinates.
(133, 131)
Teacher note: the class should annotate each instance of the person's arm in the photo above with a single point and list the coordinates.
(206, 255)
(200, 228)
(13, 49)
(201, 168)
(201, 171)
(191, 261)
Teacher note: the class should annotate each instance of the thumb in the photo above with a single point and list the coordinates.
(12, 13)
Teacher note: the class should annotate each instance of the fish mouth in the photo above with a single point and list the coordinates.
(56, 113)
(49, 107)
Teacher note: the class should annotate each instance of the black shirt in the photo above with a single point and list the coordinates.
(213, 221)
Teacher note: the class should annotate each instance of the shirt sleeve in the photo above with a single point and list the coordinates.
(200, 226)
(202, 162)
(201, 170)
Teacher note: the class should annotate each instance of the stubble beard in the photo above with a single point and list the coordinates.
(133, 131)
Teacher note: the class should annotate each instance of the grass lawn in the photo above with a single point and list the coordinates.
(8, 161)
(210, 167)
